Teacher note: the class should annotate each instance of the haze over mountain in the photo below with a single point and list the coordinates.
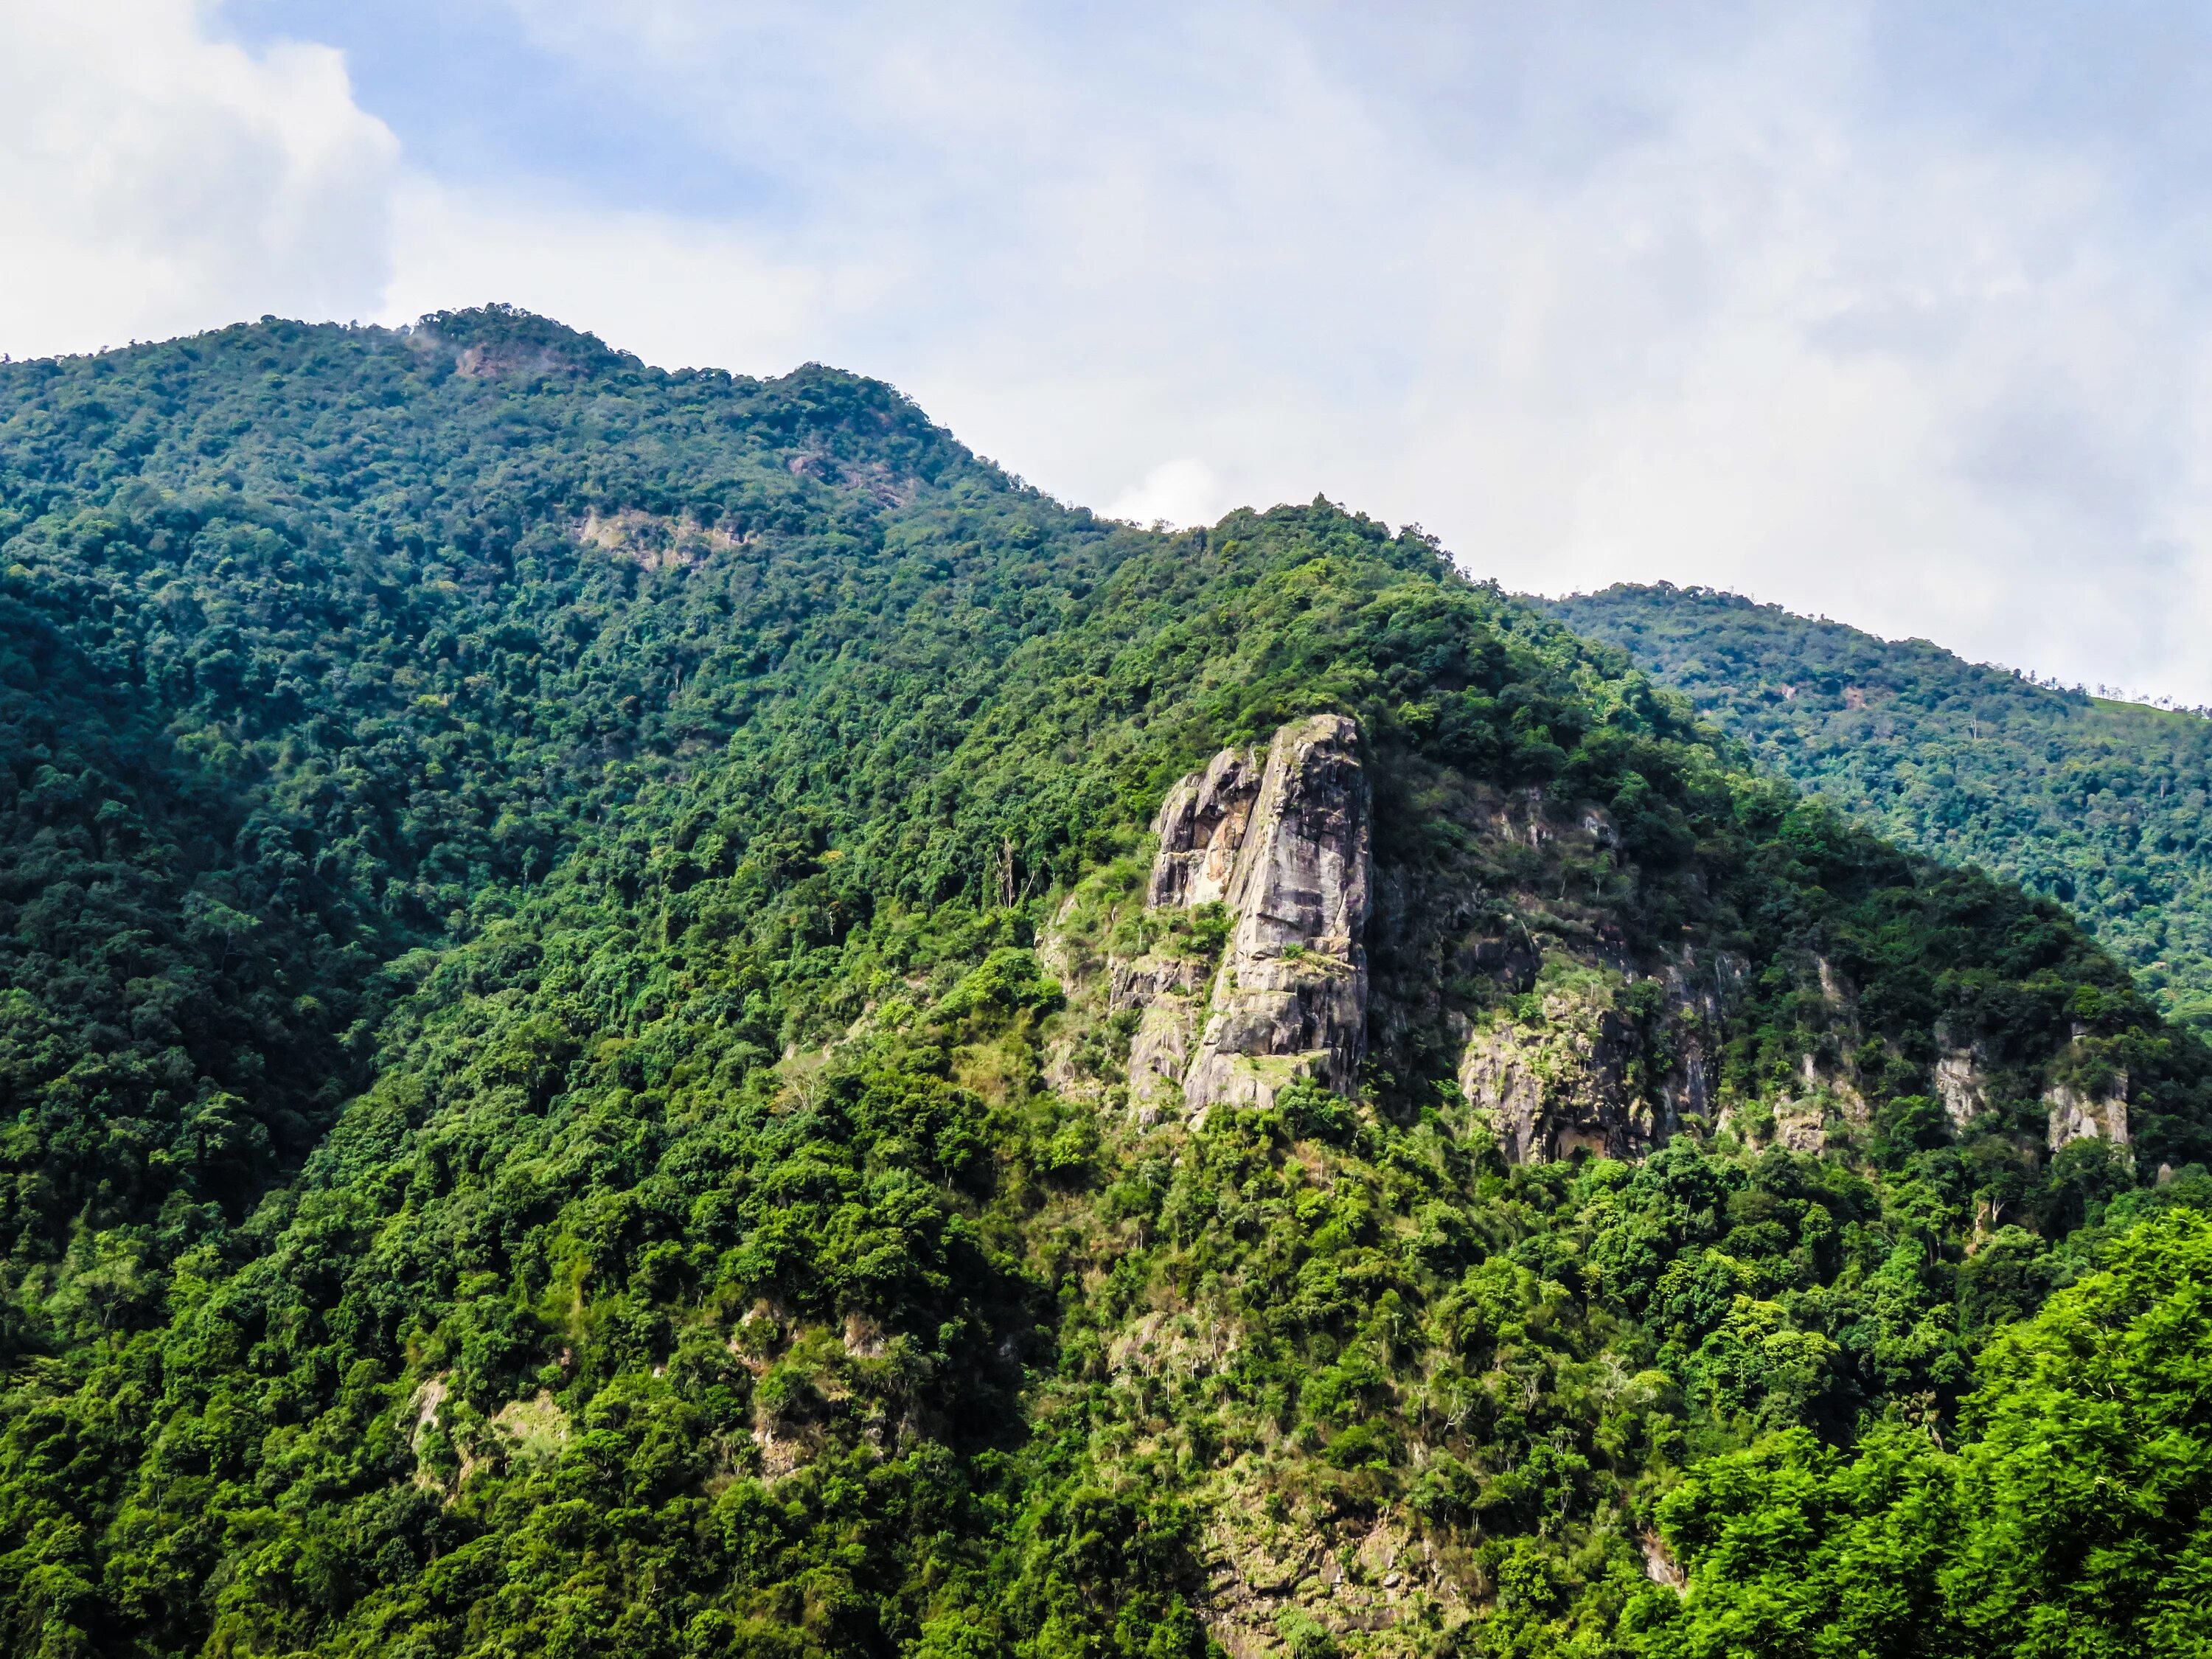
(656, 1013)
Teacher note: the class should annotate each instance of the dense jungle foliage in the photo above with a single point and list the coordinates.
(558, 1096)
(2098, 803)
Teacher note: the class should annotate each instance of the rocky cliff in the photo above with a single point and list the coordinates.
(1281, 841)
(2074, 1116)
(1560, 1080)
(1601, 1062)
(1567, 1040)
(1201, 826)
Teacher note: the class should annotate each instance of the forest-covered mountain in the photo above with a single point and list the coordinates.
(2100, 804)
(657, 1014)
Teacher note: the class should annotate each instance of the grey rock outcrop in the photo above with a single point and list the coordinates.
(1167, 993)
(1281, 842)
(1547, 1091)
(1961, 1084)
(2077, 1115)
(1575, 1079)
(2089, 1098)
(1580, 1072)
(1290, 1000)
(1202, 825)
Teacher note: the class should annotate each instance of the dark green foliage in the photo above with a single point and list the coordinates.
(558, 1100)
(2099, 804)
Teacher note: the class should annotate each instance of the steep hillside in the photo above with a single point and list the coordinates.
(657, 1014)
(2099, 804)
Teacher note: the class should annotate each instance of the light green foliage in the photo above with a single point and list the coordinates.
(2100, 804)
(2072, 1521)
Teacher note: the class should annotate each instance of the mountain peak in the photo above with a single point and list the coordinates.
(496, 341)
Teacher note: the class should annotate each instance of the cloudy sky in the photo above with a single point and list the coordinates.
(1895, 313)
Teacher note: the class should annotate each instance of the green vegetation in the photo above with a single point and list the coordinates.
(560, 1096)
(2072, 1522)
(2099, 804)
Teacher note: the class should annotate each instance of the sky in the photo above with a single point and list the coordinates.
(1895, 313)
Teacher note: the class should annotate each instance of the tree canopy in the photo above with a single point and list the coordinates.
(561, 1095)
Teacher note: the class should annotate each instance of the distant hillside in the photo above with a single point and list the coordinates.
(2099, 804)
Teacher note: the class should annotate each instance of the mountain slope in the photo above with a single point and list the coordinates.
(2100, 804)
(727, 1179)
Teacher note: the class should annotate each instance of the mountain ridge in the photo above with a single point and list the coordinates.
(2093, 801)
(676, 847)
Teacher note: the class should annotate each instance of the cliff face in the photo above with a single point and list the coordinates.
(1290, 1000)
(1281, 842)
(1594, 1066)
(2077, 1115)
(1577, 1044)
(1202, 825)
(1561, 1081)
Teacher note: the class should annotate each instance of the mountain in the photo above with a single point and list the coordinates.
(2099, 804)
(657, 1013)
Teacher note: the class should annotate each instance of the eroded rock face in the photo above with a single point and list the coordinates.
(2088, 1100)
(1290, 1000)
(1202, 825)
(1579, 1077)
(2078, 1116)
(1960, 1085)
(1281, 841)
(1168, 991)
(1589, 1070)
(1548, 1091)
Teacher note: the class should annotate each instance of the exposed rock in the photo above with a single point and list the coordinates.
(1960, 1085)
(1139, 981)
(1368, 1581)
(1202, 825)
(1659, 1563)
(1801, 1126)
(1549, 1089)
(2074, 1116)
(1290, 1000)
(1836, 1086)
(2090, 1095)
(1692, 1089)
(1165, 989)
(1583, 1073)
(428, 1399)
(1280, 841)
(652, 539)
(1832, 988)
(1698, 986)
(1511, 960)
(1159, 1050)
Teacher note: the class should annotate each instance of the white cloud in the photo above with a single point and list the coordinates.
(154, 181)
(1180, 492)
(1715, 294)
(1709, 305)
